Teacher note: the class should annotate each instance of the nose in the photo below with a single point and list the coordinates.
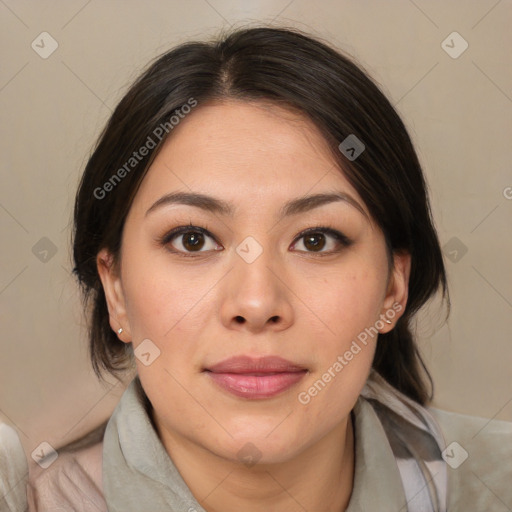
(256, 296)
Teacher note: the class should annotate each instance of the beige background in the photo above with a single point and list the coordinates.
(459, 112)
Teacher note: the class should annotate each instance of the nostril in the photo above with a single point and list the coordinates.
(240, 319)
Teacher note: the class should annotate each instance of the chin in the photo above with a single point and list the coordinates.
(251, 450)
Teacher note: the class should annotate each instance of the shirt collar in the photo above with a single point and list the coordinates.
(377, 482)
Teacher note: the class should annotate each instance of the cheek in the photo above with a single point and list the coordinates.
(162, 302)
(168, 308)
(349, 306)
(348, 301)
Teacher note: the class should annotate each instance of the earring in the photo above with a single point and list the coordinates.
(120, 330)
(388, 321)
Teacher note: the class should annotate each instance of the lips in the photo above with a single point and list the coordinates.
(246, 364)
(255, 378)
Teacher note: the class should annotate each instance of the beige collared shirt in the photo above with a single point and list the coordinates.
(482, 482)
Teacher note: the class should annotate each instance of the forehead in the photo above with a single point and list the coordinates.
(244, 152)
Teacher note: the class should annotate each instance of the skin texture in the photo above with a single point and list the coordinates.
(291, 301)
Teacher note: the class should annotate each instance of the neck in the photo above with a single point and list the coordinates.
(320, 478)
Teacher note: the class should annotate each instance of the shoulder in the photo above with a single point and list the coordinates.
(478, 452)
(480, 435)
(13, 470)
(73, 481)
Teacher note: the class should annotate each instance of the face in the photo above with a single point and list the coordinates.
(253, 271)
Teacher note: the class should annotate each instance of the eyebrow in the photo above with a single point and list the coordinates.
(292, 207)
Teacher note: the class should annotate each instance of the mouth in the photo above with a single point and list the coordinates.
(258, 378)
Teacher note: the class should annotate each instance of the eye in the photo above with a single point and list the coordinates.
(190, 239)
(187, 240)
(317, 239)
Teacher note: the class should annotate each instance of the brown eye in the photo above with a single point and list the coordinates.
(188, 240)
(193, 241)
(321, 240)
(314, 241)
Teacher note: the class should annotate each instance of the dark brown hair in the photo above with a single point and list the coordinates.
(293, 70)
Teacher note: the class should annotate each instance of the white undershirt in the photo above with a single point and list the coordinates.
(13, 471)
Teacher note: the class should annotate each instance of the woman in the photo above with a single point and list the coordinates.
(253, 234)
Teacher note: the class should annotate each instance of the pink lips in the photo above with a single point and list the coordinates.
(259, 378)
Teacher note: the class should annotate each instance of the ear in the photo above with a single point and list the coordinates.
(111, 281)
(397, 291)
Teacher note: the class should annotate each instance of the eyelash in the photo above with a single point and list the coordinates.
(166, 239)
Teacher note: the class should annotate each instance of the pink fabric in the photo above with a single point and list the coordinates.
(72, 482)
